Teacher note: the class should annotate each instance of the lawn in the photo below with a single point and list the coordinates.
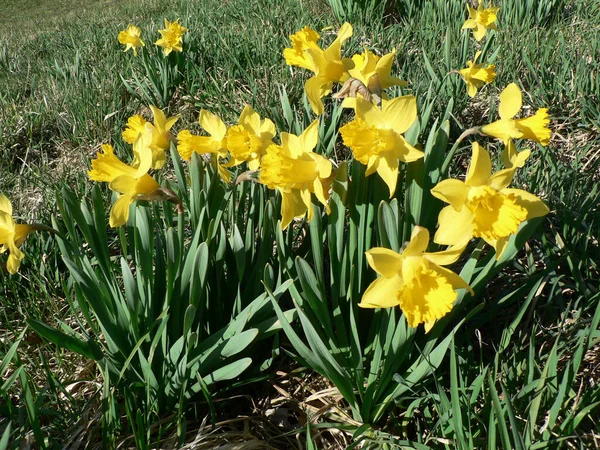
(284, 357)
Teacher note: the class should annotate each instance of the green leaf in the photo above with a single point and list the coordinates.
(88, 349)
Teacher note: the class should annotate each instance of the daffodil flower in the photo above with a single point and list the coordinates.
(476, 75)
(481, 20)
(161, 136)
(130, 37)
(248, 140)
(374, 75)
(414, 280)
(297, 172)
(534, 127)
(171, 37)
(483, 206)
(375, 136)
(327, 64)
(129, 181)
(12, 235)
(215, 144)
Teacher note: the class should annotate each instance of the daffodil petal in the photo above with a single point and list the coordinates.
(400, 113)
(419, 240)
(511, 101)
(451, 191)
(388, 171)
(384, 261)
(212, 124)
(480, 168)
(534, 206)
(119, 213)
(454, 226)
(382, 293)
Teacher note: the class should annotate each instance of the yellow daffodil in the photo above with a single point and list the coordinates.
(373, 74)
(375, 136)
(12, 235)
(215, 144)
(483, 206)
(129, 181)
(171, 37)
(534, 127)
(481, 20)
(476, 75)
(130, 37)
(161, 136)
(248, 140)
(327, 64)
(414, 280)
(296, 172)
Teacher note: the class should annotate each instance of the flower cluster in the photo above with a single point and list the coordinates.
(171, 37)
(483, 206)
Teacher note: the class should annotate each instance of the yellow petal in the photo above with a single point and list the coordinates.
(510, 101)
(382, 293)
(315, 88)
(503, 129)
(14, 258)
(400, 113)
(480, 167)
(333, 52)
(451, 191)
(448, 256)
(21, 233)
(479, 32)
(384, 261)
(419, 240)
(212, 124)
(310, 137)
(250, 119)
(454, 279)
(369, 113)
(5, 205)
(119, 213)
(534, 206)
(291, 206)
(455, 227)
(502, 179)
(388, 171)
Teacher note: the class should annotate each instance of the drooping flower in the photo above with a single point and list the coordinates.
(129, 181)
(297, 172)
(476, 75)
(414, 280)
(248, 141)
(131, 38)
(327, 64)
(483, 206)
(215, 144)
(534, 127)
(161, 136)
(481, 20)
(375, 136)
(12, 235)
(171, 37)
(369, 76)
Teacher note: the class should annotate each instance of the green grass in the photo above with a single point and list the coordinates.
(526, 359)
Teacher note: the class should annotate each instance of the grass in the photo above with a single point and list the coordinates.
(521, 374)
